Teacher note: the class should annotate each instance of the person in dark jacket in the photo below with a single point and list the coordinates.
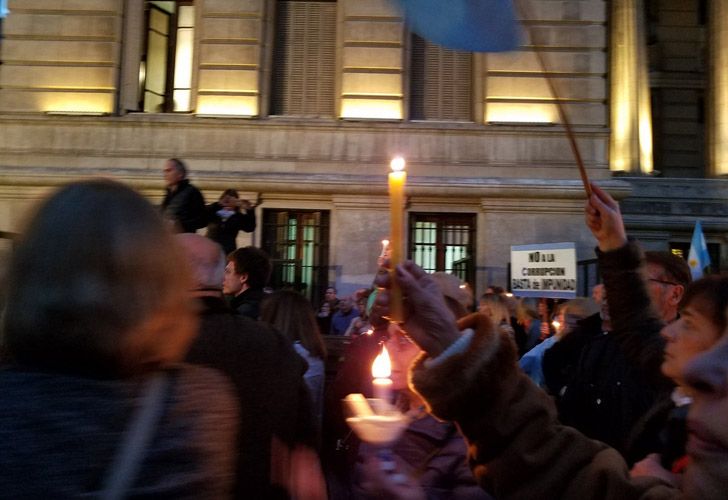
(228, 216)
(517, 448)
(661, 351)
(183, 205)
(246, 274)
(96, 321)
(607, 393)
(266, 372)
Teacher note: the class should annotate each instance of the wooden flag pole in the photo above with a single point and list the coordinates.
(559, 105)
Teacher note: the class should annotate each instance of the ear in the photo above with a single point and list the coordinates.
(243, 278)
(677, 294)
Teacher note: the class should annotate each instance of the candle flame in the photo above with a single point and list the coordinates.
(397, 164)
(556, 324)
(382, 366)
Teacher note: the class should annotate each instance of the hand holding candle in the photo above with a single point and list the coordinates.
(397, 181)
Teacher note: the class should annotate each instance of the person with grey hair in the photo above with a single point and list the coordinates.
(95, 323)
(183, 205)
(266, 372)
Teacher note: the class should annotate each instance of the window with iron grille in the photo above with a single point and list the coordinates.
(298, 244)
(165, 71)
(304, 59)
(440, 82)
(444, 242)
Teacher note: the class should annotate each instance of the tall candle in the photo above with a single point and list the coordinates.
(381, 371)
(397, 181)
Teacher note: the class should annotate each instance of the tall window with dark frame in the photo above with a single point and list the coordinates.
(440, 82)
(444, 242)
(677, 51)
(298, 244)
(304, 59)
(165, 72)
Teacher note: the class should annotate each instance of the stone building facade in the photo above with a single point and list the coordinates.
(302, 104)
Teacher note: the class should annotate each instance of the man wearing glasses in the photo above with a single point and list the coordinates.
(605, 395)
(667, 276)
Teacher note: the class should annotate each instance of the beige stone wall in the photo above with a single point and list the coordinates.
(372, 59)
(230, 36)
(571, 37)
(60, 56)
(519, 180)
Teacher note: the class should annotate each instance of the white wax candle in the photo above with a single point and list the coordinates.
(382, 388)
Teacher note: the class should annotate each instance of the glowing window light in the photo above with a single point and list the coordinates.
(78, 104)
(227, 105)
(384, 109)
(520, 113)
(183, 58)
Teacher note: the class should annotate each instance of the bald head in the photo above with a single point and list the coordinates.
(206, 259)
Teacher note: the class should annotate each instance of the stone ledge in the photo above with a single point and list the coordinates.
(439, 187)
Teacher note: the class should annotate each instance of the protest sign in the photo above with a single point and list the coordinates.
(544, 270)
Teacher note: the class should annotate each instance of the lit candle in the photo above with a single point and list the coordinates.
(397, 181)
(381, 370)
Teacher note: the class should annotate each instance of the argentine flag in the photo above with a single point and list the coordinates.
(4, 8)
(698, 258)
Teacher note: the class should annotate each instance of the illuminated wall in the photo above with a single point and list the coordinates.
(718, 107)
(570, 36)
(77, 55)
(630, 146)
(60, 57)
(229, 58)
(372, 58)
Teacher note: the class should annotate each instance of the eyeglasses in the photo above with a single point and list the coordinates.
(663, 282)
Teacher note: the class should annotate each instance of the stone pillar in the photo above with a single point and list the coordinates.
(630, 146)
(718, 89)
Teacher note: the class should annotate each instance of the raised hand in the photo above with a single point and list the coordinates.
(428, 320)
(604, 220)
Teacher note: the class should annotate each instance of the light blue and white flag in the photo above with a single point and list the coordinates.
(698, 258)
(4, 8)
(471, 25)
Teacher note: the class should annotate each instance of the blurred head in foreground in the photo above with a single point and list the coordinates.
(96, 286)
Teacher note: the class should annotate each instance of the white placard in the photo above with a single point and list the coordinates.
(544, 270)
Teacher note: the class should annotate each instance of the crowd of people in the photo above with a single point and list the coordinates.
(142, 360)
